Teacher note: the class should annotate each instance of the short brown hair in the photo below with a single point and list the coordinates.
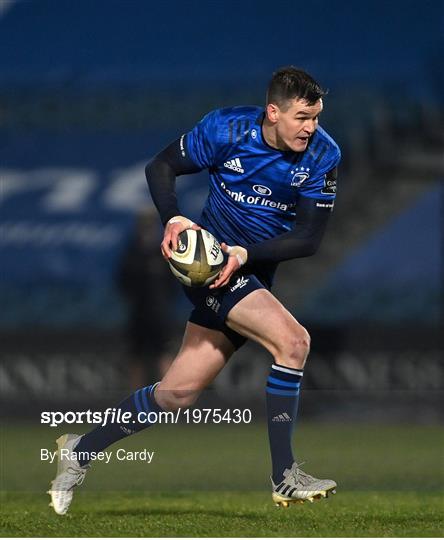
(289, 83)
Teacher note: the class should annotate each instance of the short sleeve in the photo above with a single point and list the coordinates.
(201, 141)
(323, 183)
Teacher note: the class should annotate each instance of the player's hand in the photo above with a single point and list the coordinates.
(237, 257)
(173, 228)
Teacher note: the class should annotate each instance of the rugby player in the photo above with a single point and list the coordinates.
(272, 188)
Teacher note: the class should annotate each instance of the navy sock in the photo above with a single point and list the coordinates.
(103, 436)
(283, 386)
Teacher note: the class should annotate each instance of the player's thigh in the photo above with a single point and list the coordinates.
(261, 317)
(204, 352)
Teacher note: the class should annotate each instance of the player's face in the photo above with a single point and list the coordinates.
(295, 124)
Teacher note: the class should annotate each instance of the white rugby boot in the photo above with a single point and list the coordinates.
(69, 474)
(298, 487)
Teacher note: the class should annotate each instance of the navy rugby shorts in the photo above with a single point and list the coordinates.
(211, 306)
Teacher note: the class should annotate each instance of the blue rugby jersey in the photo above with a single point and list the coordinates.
(254, 188)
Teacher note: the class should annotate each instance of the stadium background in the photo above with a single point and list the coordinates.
(90, 90)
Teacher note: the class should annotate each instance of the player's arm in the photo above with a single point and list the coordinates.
(312, 215)
(161, 172)
(302, 241)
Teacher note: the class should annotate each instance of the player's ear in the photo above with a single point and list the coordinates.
(272, 112)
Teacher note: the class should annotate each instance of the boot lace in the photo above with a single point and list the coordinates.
(79, 473)
(301, 477)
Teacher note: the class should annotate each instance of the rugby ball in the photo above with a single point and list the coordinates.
(198, 258)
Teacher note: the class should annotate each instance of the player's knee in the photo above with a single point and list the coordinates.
(172, 400)
(293, 350)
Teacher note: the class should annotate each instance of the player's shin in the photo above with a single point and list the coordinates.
(135, 413)
(283, 385)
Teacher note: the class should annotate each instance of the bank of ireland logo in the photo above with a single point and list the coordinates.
(299, 175)
(262, 190)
